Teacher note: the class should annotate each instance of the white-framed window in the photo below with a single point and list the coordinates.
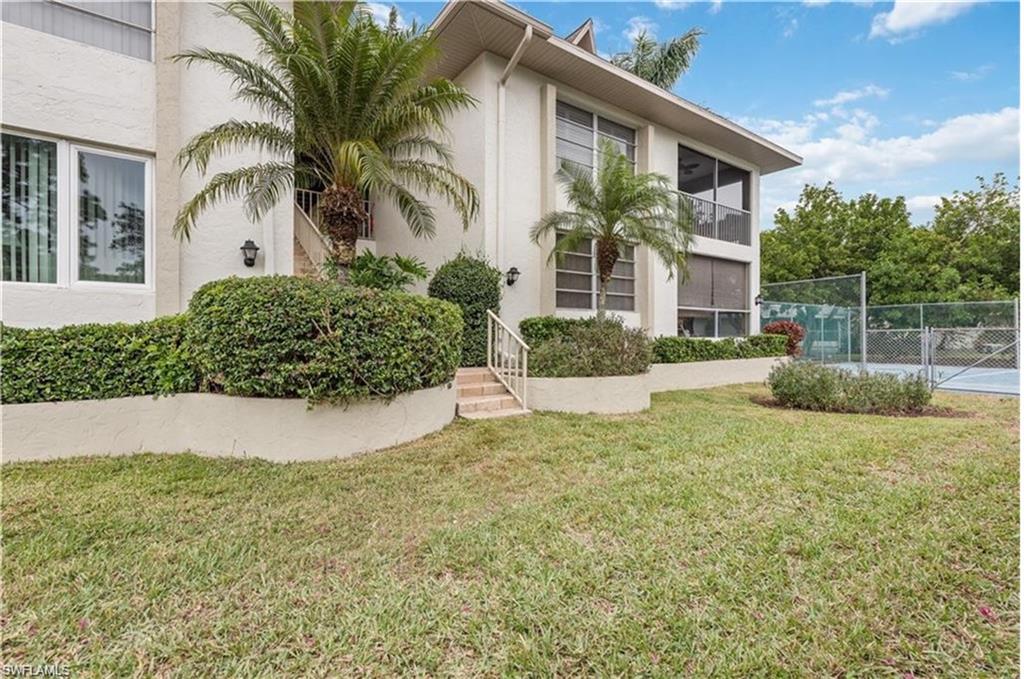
(75, 214)
(124, 26)
(714, 299)
(577, 285)
(577, 132)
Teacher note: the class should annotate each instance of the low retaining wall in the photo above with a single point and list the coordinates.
(279, 430)
(701, 374)
(621, 394)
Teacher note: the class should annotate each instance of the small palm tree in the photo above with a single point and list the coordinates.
(346, 107)
(661, 64)
(615, 208)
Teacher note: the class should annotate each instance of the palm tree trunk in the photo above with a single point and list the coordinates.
(607, 255)
(341, 215)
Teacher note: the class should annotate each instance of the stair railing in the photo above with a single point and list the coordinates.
(508, 357)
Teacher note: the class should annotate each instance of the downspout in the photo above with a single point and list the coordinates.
(500, 193)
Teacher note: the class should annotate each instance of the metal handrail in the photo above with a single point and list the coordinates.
(508, 357)
(309, 202)
(718, 221)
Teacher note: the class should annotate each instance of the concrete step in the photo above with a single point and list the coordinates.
(475, 404)
(481, 389)
(493, 414)
(473, 376)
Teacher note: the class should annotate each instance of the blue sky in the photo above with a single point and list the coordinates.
(905, 98)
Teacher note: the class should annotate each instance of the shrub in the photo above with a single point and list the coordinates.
(794, 331)
(475, 286)
(94, 361)
(539, 329)
(689, 349)
(593, 350)
(810, 386)
(282, 336)
(393, 272)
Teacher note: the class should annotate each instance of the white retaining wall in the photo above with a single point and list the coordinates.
(701, 374)
(620, 394)
(279, 430)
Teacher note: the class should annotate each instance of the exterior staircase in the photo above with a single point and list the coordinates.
(481, 396)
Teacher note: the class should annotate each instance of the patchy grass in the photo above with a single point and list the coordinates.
(710, 536)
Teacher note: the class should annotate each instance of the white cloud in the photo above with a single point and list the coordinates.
(816, 3)
(790, 28)
(850, 152)
(672, 4)
(908, 17)
(846, 96)
(599, 24)
(974, 74)
(922, 208)
(381, 12)
(716, 7)
(637, 25)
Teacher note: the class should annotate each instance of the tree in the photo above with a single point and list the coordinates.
(661, 64)
(969, 252)
(616, 208)
(347, 107)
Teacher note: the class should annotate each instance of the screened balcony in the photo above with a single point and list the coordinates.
(714, 220)
(716, 196)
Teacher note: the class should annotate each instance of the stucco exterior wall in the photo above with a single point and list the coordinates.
(59, 88)
(606, 395)
(703, 374)
(279, 430)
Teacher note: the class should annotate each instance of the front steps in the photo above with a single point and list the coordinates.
(482, 397)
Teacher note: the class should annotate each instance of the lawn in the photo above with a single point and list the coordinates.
(709, 536)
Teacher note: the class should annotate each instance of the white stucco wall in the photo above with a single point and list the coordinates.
(279, 430)
(605, 395)
(55, 87)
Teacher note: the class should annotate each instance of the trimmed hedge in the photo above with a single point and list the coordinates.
(282, 336)
(96, 361)
(539, 329)
(475, 286)
(690, 349)
(591, 349)
(810, 386)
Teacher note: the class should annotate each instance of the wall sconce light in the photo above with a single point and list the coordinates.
(511, 276)
(249, 250)
(758, 300)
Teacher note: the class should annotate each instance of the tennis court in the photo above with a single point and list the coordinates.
(954, 378)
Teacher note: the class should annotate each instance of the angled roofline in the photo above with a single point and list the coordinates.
(584, 36)
(544, 32)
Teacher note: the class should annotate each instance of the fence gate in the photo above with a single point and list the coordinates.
(973, 359)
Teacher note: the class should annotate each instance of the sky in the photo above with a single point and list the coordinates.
(895, 98)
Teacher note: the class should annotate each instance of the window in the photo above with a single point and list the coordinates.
(713, 301)
(576, 280)
(711, 179)
(125, 26)
(74, 214)
(577, 133)
(29, 210)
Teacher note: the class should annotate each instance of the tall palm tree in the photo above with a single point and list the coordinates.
(614, 207)
(661, 64)
(346, 107)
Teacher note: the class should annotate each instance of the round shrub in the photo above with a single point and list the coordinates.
(794, 331)
(538, 329)
(92, 361)
(283, 336)
(475, 286)
(810, 386)
(593, 350)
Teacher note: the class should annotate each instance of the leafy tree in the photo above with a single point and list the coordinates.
(970, 251)
(662, 64)
(616, 208)
(349, 99)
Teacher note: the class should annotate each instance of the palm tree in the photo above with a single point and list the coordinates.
(346, 107)
(614, 207)
(661, 64)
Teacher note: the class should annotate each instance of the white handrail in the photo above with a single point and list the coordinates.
(508, 357)
(309, 202)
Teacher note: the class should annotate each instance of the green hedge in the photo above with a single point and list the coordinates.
(283, 336)
(538, 329)
(591, 349)
(95, 361)
(810, 386)
(690, 349)
(475, 286)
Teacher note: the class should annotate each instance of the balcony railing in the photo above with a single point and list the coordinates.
(309, 202)
(714, 220)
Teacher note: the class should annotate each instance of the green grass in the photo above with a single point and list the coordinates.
(710, 536)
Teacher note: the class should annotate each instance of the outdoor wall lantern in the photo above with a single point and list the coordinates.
(511, 276)
(758, 300)
(249, 250)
